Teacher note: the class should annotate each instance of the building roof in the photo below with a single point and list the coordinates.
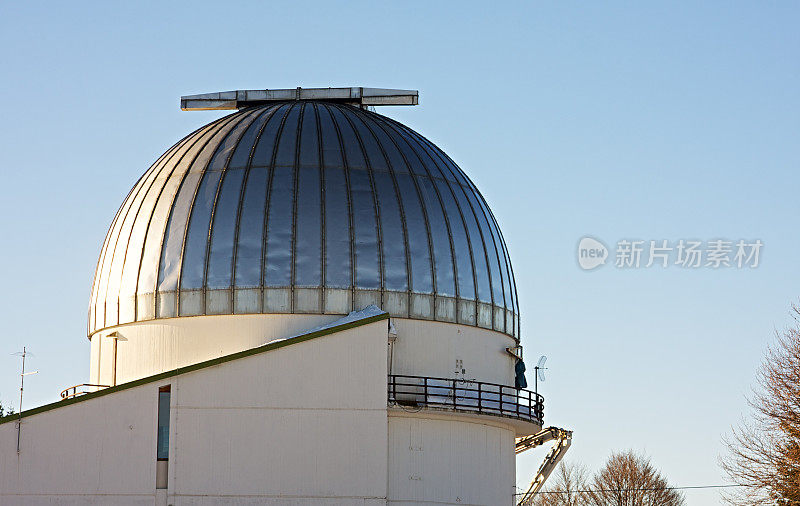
(305, 206)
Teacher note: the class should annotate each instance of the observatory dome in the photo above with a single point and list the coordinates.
(304, 207)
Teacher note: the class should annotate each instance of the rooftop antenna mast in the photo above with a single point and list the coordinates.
(24, 353)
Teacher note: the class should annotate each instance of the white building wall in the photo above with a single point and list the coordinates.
(98, 452)
(309, 427)
(426, 348)
(302, 424)
(150, 347)
(448, 459)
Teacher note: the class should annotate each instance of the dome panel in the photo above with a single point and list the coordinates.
(304, 207)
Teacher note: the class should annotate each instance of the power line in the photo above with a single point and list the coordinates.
(655, 489)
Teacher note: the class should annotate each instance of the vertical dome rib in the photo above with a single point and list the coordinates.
(391, 210)
(305, 207)
(164, 250)
(456, 230)
(111, 246)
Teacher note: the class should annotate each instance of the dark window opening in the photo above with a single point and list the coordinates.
(163, 423)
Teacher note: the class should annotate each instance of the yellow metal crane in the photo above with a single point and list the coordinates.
(563, 440)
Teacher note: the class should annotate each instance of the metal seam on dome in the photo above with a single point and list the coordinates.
(447, 225)
(269, 168)
(154, 172)
(403, 128)
(422, 210)
(379, 245)
(479, 199)
(236, 120)
(335, 134)
(157, 173)
(413, 177)
(270, 110)
(293, 236)
(423, 207)
(256, 114)
(268, 199)
(469, 246)
(190, 211)
(92, 322)
(128, 243)
(273, 112)
(472, 188)
(452, 245)
(506, 259)
(322, 248)
(109, 253)
(489, 219)
(400, 207)
(466, 232)
(118, 231)
(136, 186)
(161, 241)
(509, 268)
(418, 179)
(346, 172)
(212, 216)
(378, 221)
(515, 309)
(514, 293)
(164, 244)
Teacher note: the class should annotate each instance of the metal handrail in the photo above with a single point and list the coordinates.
(66, 394)
(466, 395)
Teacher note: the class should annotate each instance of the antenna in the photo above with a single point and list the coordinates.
(24, 353)
(539, 372)
(540, 367)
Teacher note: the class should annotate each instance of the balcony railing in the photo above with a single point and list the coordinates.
(83, 388)
(466, 395)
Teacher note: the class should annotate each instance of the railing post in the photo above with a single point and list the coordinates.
(480, 409)
(454, 393)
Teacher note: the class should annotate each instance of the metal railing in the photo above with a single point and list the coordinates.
(81, 389)
(466, 395)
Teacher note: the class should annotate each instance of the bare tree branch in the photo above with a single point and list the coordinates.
(764, 452)
(629, 479)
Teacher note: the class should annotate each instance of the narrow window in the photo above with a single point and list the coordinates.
(162, 443)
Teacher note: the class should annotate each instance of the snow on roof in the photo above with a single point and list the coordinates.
(353, 316)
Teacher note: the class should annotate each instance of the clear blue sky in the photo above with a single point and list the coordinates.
(617, 120)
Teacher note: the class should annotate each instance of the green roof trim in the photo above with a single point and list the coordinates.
(196, 367)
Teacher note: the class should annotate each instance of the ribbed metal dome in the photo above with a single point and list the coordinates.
(305, 207)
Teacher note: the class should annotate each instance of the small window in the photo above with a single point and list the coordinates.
(163, 423)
